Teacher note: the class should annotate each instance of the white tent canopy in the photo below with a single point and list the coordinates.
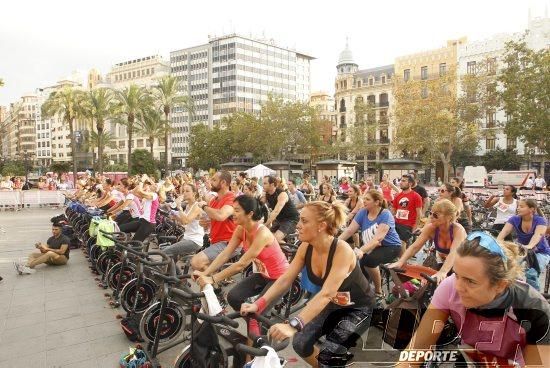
(260, 171)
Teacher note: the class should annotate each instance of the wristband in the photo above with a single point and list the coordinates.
(261, 304)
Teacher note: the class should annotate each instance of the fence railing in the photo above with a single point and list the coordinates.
(16, 199)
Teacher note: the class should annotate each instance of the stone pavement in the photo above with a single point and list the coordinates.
(57, 317)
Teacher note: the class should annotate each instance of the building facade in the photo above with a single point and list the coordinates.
(371, 88)
(324, 104)
(144, 72)
(233, 73)
(491, 51)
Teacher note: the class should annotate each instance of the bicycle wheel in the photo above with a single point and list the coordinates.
(146, 295)
(172, 325)
(115, 273)
(103, 261)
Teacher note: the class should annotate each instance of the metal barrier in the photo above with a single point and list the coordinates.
(16, 200)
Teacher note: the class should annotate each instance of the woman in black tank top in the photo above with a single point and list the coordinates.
(343, 292)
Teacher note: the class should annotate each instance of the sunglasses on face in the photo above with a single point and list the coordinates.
(434, 215)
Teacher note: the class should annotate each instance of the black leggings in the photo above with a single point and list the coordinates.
(250, 286)
(123, 217)
(342, 328)
(141, 229)
(380, 255)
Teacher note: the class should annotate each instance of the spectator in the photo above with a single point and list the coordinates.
(54, 252)
(540, 183)
(529, 184)
(6, 184)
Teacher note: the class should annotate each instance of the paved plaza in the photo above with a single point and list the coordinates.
(57, 317)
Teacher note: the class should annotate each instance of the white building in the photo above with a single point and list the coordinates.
(492, 49)
(233, 73)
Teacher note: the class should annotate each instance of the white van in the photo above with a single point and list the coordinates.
(475, 176)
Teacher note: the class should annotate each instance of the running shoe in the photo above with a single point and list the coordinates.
(25, 269)
(17, 268)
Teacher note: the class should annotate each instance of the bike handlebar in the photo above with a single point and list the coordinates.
(226, 320)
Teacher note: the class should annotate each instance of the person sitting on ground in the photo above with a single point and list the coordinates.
(495, 313)
(446, 235)
(54, 252)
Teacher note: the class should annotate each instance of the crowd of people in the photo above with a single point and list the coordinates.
(346, 234)
(50, 181)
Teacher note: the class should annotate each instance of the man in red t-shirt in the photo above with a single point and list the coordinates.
(220, 213)
(407, 209)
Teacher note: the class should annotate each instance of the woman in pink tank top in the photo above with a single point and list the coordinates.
(260, 248)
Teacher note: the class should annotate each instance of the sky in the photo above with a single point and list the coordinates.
(44, 41)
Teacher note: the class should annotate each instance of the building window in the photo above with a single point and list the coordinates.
(406, 74)
(424, 73)
(471, 67)
(371, 81)
(383, 79)
(490, 143)
(442, 69)
(342, 105)
(358, 84)
(383, 100)
(511, 143)
(342, 121)
(491, 119)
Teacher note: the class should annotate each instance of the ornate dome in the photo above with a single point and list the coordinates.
(346, 56)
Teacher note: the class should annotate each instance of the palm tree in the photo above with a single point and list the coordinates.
(132, 102)
(107, 140)
(152, 126)
(101, 107)
(67, 102)
(167, 96)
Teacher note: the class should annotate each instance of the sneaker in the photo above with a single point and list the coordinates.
(26, 270)
(17, 268)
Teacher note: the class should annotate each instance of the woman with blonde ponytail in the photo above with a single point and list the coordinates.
(496, 314)
(342, 305)
(446, 234)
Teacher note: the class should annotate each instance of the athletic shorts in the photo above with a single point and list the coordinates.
(285, 226)
(215, 249)
(404, 232)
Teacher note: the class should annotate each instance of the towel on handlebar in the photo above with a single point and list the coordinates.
(108, 226)
(213, 305)
(271, 360)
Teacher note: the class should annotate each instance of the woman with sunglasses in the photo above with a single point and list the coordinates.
(446, 235)
(506, 205)
(453, 194)
(488, 304)
(530, 227)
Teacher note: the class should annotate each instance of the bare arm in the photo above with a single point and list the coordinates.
(506, 230)
(350, 230)
(540, 231)
(219, 215)
(459, 237)
(426, 234)
(185, 219)
(61, 251)
(281, 201)
(491, 201)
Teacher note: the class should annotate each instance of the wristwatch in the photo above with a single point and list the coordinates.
(296, 323)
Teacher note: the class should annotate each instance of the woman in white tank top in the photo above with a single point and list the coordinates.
(194, 233)
(506, 206)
